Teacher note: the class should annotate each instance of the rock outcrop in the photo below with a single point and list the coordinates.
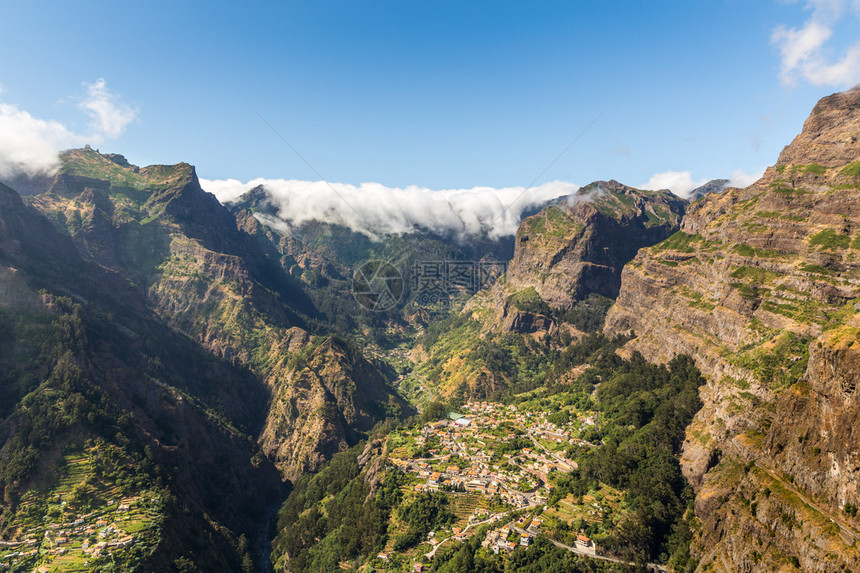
(580, 244)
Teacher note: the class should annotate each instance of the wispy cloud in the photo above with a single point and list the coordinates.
(109, 117)
(619, 149)
(681, 183)
(743, 179)
(30, 144)
(678, 182)
(806, 54)
(374, 209)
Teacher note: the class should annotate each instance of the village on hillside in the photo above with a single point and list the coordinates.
(506, 457)
(468, 453)
(60, 535)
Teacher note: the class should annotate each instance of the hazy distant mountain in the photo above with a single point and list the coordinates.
(712, 186)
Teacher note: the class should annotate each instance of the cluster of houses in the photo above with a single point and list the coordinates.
(466, 437)
(509, 536)
(14, 557)
(57, 539)
(457, 455)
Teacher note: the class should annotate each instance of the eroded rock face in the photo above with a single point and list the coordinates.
(321, 405)
(816, 428)
(760, 287)
(579, 245)
(526, 322)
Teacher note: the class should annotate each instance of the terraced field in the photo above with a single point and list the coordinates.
(81, 522)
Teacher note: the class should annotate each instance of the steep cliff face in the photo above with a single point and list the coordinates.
(579, 245)
(221, 282)
(322, 401)
(761, 286)
(83, 362)
(572, 249)
(565, 270)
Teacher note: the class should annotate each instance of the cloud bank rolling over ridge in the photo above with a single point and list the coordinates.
(374, 209)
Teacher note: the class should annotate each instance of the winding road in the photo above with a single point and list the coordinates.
(560, 460)
(432, 552)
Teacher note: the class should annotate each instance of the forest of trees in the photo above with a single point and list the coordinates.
(644, 410)
(330, 517)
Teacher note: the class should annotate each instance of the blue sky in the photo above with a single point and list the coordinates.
(436, 94)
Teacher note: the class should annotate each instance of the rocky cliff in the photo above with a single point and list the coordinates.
(574, 249)
(580, 244)
(761, 286)
(219, 279)
(90, 379)
(566, 268)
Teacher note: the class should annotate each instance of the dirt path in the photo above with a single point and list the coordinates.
(847, 533)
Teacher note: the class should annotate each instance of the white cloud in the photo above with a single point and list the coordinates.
(227, 189)
(804, 50)
(678, 182)
(681, 183)
(109, 116)
(374, 209)
(30, 145)
(742, 179)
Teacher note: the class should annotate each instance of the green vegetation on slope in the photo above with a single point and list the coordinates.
(330, 518)
(628, 465)
(529, 300)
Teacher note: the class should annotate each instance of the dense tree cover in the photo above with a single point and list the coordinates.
(588, 314)
(22, 349)
(426, 513)
(434, 411)
(644, 410)
(67, 397)
(331, 517)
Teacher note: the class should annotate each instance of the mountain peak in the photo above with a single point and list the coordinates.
(579, 245)
(830, 135)
(116, 169)
(712, 186)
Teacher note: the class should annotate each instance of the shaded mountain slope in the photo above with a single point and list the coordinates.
(205, 276)
(91, 381)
